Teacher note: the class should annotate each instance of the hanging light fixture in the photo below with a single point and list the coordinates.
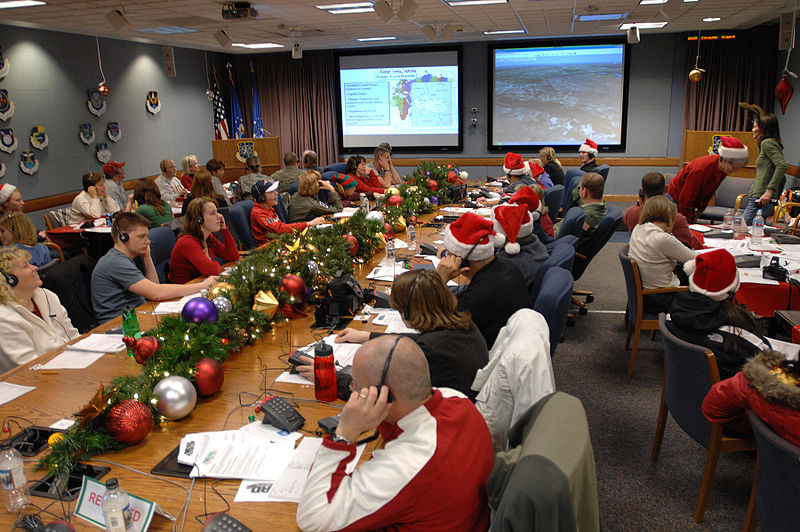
(102, 88)
(696, 73)
(209, 92)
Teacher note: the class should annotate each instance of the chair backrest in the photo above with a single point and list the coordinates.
(162, 240)
(553, 197)
(335, 167)
(280, 208)
(603, 171)
(562, 255)
(550, 475)
(778, 488)
(328, 174)
(690, 372)
(240, 221)
(553, 302)
(71, 281)
(572, 178)
(572, 224)
(56, 217)
(602, 235)
(729, 190)
(633, 282)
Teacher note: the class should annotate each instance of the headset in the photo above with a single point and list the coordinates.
(123, 237)
(386, 370)
(407, 309)
(465, 261)
(11, 279)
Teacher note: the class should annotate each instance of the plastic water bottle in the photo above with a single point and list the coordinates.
(130, 326)
(116, 507)
(411, 236)
(728, 220)
(324, 373)
(757, 233)
(738, 226)
(390, 249)
(364, 203)
(12, 477)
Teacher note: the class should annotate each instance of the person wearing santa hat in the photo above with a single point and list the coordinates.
(696, 183)
(10, 199)
(587, 153)
(496, 288)
(517, 171)
(115, 174)
(514, 227)
(708, 314)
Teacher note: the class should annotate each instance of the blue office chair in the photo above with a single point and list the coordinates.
(553, 197)
(603, 171)
(588, 249)
(240, 221)
(776, 488)
(572, 178)
(280, 208)
(162, 240)
(689, 373)
(572, 224)
(553, 300)
(335, 167)
(562, 255)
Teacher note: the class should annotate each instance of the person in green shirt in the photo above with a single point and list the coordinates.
(770, 168)
(591, 192)
(151, 206)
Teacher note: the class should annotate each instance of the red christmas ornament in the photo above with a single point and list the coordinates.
(143, 348)
(129, 421)
(452, 176)
(433, 185)
(353, 241)
(388, 229)
(412, 219)
(103, 89)
(394, 201)
(783, 92)
(224, 341)
(208, 376)
(294, 285)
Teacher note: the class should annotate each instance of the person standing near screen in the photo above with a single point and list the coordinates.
(770, 168)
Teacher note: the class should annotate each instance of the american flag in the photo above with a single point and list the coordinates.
(220, 124)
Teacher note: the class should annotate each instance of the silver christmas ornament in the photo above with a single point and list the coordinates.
(375, 215)
(223, 304)
(176, 397)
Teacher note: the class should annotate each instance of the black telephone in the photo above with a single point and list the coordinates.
(280, 414)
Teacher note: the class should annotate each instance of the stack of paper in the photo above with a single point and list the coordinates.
(342, 356)
(234, 454)
(84, 353)
(174, 307)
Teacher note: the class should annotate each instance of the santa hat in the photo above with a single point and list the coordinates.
(713, 274)
(470, 237)
(514, 165)
(588, 146)
(507, 222)
(732, 148)
(111, 167)
(536, 169)
(526, 196)
(5, 191)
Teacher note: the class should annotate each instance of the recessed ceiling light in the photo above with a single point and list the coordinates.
(257, 46)
(167, 30)
(607, 16)
(349, 8)
(711, 19)
(686, 1)
(20, 3)
(457, 3)
(503, 32)
(651, 2)
(643, 25)
(328, 7)
(369, 39)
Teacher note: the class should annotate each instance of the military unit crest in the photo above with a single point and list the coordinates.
(245, 149)
(8, 142)
(28, 162)
(4, 64)
(6, 106)
(2, 168)
(87, 133)
(152, 104)
(113, 131)
(103, 153)
(39, 138)
(96, 103)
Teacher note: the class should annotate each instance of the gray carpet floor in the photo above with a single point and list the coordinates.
(634, 493)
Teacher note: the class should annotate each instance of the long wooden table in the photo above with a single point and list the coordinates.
(59, 395)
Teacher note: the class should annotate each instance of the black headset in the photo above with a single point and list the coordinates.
(123, 237)
(386, 370)
(465, 260)
(407, 309)
(11, 279)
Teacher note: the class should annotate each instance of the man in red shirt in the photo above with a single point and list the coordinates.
(264, 220)
(694, 185)
(653, 184)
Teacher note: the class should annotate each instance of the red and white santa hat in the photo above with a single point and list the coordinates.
(732, 148)
(508, 219)
(526, 196)
(713, 274)
(6, 190)
(470, 237)
(536, 169)
(588, 146)
(514, 165)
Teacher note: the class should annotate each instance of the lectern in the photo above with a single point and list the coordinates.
(234, 153)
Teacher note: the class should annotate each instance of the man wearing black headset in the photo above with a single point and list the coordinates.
(118, 284)
(496, 288)
(438, 451)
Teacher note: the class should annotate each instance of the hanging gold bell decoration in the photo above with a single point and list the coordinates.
(696, 74)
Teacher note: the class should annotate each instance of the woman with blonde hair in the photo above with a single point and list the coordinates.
(190, 166)
(552, 165)
(32, 319)
(657, 252)
(151, 205)
(16, 229)
(305, 205)
(203, 187)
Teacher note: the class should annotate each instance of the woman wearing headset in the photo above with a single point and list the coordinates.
(32, 320)
(453, 345)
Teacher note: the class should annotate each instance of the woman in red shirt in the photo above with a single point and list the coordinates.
(195, 251)
(366, 181)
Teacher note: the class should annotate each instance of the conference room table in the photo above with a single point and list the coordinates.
(248, 375)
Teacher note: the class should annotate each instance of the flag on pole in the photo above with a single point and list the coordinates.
(258, 126)
(236, 111)
(220, 124)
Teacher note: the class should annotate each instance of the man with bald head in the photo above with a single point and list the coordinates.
(168, 183)
(438, 450)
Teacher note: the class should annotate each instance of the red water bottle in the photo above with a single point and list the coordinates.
(324, 373)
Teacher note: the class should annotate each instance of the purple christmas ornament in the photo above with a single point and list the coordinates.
(199, 310)
(435, 200)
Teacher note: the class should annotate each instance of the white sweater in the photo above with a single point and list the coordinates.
(85, 207)
(657, 252)
(26, 336)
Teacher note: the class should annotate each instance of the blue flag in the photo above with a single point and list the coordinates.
(258, 126)
(236, 111)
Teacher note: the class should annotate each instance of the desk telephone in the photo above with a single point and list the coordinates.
(280, 414)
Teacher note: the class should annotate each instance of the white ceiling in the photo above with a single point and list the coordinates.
(289, 21)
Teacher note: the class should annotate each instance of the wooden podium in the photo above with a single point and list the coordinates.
(697, 143)
(268, 150)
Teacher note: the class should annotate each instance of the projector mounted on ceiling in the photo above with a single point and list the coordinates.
(238, 10)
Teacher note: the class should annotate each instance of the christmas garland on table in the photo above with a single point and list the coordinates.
(279, 277)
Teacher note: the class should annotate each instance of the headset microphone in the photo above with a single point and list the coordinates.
(407, 309)
(123, 237)
(11, 279)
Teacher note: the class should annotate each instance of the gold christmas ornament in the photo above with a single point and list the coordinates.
(266, 302)
(412, 188)
(696, 74)
(312, 248)
(94, 408)
(392, 191)
(400, 224)
(55, 438)
(222, 289)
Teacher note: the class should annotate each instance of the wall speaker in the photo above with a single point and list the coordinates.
(117, 20)
(786, 30)
(297, 51)
(633, 35)
(168, 58)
